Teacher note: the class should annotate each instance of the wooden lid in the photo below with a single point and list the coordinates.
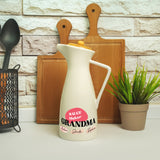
(79, 44)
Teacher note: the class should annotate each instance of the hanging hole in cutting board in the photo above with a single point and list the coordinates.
(93, 10)
(63, 26)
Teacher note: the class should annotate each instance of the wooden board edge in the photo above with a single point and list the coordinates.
(123, 52)
(57, 55)
(39, 66)
(47, 121)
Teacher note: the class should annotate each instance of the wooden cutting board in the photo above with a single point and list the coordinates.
(110, 52)
(51, 72)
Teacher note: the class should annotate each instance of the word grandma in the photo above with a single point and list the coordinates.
(78, 123)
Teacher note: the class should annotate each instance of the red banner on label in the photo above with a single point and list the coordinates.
(76, 114)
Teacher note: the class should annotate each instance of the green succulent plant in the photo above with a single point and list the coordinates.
(136, 91)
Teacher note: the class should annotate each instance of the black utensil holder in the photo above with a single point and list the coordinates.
(9, 116)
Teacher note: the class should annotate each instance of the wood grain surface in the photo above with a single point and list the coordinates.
(107, 51)
(51, 72)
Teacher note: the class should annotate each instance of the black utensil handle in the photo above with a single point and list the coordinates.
(17, 67)
(17, 129)
(6, 59)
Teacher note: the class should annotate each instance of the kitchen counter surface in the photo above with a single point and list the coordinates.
(41, 142)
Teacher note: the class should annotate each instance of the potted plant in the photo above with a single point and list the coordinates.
(134, 97)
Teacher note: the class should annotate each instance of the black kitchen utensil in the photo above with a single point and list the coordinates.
(9, 108)
(9, 37)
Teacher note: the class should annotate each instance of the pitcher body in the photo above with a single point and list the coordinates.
(78, 113)
(78, 106)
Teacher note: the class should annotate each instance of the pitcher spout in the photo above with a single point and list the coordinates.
(74, 52)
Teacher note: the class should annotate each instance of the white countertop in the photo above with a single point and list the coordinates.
(41, 142)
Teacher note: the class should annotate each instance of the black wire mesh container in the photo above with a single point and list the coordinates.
(9, 99)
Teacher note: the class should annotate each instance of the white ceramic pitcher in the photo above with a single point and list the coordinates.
(78, 107)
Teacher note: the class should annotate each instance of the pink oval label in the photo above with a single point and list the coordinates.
(76, 114)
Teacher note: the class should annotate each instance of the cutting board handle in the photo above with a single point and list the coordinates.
(64, 27)
(93, 12)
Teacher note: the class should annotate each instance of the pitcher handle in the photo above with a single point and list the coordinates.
(105, 80)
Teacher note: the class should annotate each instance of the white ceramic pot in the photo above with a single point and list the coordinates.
(78, 107)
